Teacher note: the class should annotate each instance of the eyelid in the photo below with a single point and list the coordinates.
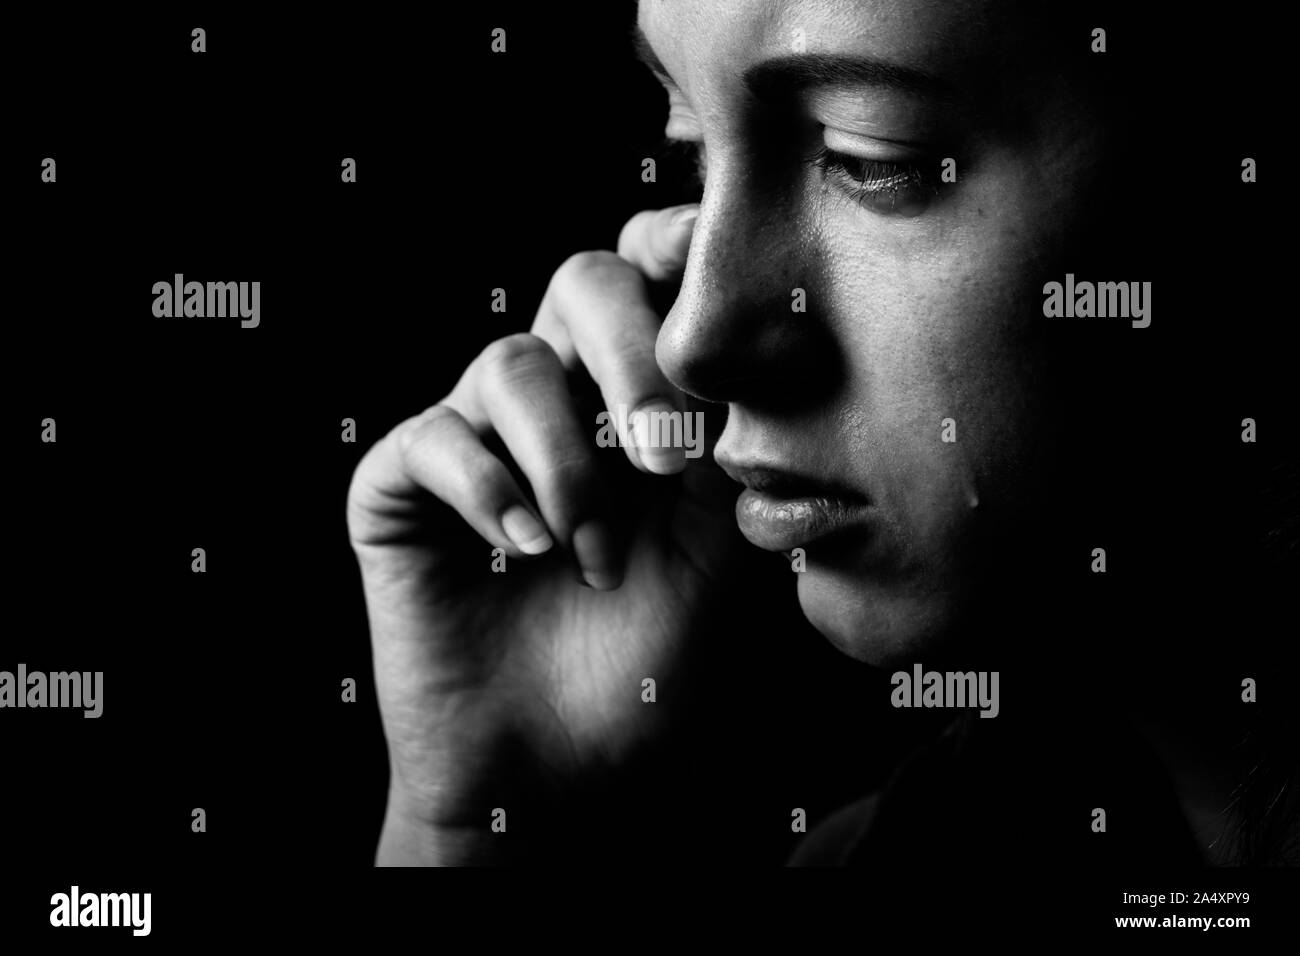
(889, 117)
(871, 147)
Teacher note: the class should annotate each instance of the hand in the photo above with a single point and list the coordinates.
(608, 561)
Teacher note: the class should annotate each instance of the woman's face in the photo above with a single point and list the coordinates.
(874, 330)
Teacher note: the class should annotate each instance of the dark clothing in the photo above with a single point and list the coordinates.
(986, 794)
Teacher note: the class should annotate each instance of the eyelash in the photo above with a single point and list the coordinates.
(885, 187)
(689, 156)
(874, 182)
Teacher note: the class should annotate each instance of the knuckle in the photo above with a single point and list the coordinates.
(481, 480)
(522, 348)
(411, 434)
(358, 494)
(406, 436)
(632, 355)
(582, 269)
(569, 473)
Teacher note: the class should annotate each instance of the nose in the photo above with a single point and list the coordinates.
(749, 324)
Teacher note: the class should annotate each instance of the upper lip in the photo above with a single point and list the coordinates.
(785, 483)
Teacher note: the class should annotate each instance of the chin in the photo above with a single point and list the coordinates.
(884, 625)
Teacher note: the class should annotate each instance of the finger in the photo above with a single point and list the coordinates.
(517, 387)
(600, 303)
(656, 241)
(438, 452)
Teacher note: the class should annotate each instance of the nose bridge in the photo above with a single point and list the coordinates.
(732, 314)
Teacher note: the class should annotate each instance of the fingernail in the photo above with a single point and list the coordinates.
(528, 534)
(649, 426)
(593, 545)
(685, 215)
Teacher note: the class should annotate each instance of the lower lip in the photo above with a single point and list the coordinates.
(780, 524)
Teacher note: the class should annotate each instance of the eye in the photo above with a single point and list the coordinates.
(689, 162)
(890, 188)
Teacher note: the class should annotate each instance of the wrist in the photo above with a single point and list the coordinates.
(416, 834)
(411, 837)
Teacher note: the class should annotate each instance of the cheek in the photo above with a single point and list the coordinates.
(941, 371)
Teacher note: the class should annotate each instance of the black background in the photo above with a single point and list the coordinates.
(475, 171)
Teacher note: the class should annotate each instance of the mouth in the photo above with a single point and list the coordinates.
(780, 509)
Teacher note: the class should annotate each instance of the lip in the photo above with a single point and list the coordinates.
(781, 509)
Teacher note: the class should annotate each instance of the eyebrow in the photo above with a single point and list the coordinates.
(788, 74)
(646, 53)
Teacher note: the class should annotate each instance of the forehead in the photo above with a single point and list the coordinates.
(732, 34)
